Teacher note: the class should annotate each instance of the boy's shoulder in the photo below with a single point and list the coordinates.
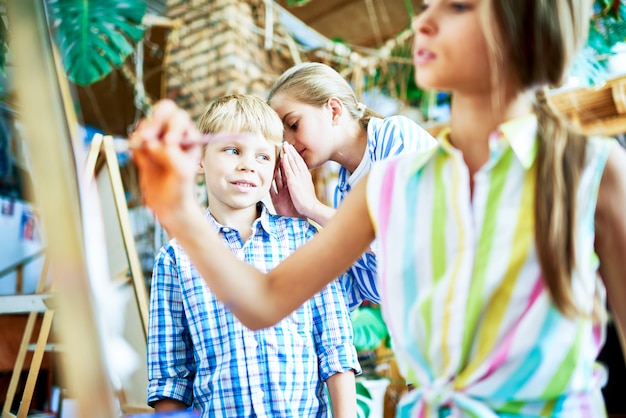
(286, 231)
(172, 248)
(282, 223)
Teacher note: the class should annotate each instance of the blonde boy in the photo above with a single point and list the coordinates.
(198, 352)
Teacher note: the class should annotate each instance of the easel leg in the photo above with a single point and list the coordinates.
(19, 363)
(35, 364)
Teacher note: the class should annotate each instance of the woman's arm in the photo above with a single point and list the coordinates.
(610, 244)
(260, 301)
(342, 390)
(167, 175)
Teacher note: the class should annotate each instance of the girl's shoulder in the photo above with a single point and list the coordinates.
(600, 144)
(395, 122)
(396, 135)
(598, 150)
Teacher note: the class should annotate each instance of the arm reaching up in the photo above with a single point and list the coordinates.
(167, 175)
(168, 170)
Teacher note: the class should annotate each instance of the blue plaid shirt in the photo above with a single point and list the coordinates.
(393, 135)
(199, 353)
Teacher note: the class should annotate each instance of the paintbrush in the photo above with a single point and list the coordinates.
(133, 144)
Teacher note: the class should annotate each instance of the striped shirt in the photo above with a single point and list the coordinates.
(472, 322)
(386, 137)
(199, 353)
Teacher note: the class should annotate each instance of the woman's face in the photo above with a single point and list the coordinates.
(450, 51)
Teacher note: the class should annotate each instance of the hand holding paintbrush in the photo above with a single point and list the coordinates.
(170, 124)
(166, 148)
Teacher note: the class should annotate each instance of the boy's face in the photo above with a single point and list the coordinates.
(239, 170)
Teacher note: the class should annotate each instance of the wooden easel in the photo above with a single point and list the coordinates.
(101, 166)
(124, 264)
(102, 161)
(50, 123)
(33, 304)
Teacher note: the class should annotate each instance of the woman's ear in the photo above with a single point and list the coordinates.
(336, 109)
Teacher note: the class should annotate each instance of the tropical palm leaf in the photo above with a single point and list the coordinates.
(4, 41)
(364, 402)
(607, 29)
(96, 36)
(369, 328)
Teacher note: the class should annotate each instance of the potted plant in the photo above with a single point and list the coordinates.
(371, 339)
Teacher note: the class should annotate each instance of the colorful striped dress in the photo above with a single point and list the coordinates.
(388, 137)
(471, 320)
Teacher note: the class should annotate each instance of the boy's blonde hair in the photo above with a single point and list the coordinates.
(239, 113)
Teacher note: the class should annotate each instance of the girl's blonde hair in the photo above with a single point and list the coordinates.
(242, 113)
(537, 41)
(313, 83)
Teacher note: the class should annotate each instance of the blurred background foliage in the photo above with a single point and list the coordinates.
(95, 37)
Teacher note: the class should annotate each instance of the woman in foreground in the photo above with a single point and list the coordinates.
(490, 244)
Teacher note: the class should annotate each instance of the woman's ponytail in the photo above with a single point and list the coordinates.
(560, 159)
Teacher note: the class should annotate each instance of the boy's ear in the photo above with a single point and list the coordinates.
(277, 163)
(336, 108)
(200, 169)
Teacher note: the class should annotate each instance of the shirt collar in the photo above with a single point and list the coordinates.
(520, 133)
(263, 221)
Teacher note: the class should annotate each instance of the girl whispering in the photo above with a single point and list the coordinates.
(324, 121)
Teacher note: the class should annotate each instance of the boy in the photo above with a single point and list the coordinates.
(198, 352)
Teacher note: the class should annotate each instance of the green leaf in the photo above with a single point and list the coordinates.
(369, 328)
(607, 28)
(4, 42)
(364, 400)
(96, 36)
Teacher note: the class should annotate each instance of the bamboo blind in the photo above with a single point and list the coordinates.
(597, 111)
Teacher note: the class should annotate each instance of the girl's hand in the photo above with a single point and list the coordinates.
(167, 169)
(281, 198)
(297, 177)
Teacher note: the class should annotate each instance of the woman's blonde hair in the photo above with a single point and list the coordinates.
(313, 83)
(537, 41)
(242, 113)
